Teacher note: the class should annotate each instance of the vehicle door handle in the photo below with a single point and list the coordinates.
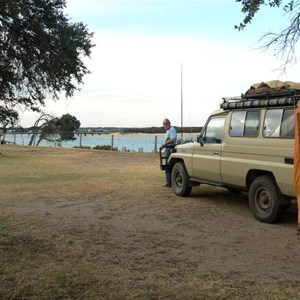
(216, 153)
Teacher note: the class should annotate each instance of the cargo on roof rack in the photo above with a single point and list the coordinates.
(270, 93)
(272, 89)
(265, 94)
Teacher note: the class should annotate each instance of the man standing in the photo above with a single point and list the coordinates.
(169, 144)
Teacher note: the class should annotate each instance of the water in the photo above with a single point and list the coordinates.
(126, 142)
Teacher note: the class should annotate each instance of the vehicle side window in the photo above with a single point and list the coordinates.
(214, 131)
(237, 123)
(244, 123)
(252, 124)
(279, 123)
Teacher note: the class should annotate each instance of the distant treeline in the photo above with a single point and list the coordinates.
(161, 130)
(113, 129)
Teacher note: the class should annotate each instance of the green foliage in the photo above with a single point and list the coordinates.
(40, 52)
(284, 42)
(60, 129)
(250, 8)
(103, 147)
(66, 126)
(82, 147)
(8, 116)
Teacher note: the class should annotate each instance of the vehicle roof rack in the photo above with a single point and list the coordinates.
(234, 103)
(265, 94)
(262, 97)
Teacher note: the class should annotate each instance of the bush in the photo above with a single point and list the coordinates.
(82, 147)
(103, 147)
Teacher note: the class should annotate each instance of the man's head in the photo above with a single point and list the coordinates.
(166, 124)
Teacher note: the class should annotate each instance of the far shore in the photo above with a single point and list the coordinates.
(145, 135)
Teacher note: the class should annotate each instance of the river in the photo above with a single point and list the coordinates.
(120, 142)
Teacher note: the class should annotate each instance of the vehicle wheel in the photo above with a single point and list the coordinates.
(180, 180)
(264, 200)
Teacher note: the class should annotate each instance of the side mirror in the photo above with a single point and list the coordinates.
(200, 140)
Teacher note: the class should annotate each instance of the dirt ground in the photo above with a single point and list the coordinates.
(210, 231)
(147, 228)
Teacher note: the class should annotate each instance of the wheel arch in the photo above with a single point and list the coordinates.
(253, 174)
(175, 160)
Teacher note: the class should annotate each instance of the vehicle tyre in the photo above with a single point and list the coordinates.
(264, 200)
(180, 180)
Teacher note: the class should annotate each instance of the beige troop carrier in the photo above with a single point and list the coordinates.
(246, 145)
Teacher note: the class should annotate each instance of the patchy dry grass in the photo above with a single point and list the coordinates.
(87, 224)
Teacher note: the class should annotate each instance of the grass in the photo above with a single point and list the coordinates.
(71, 224)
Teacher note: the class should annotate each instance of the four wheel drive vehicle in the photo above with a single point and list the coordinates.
(246, 145)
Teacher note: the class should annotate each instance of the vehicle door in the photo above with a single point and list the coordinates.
(207, 153)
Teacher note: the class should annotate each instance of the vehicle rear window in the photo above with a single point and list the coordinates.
(279, 123)
(288, 124)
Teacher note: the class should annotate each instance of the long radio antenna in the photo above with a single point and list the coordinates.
(181, 102)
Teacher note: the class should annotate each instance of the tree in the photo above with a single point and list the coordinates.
(286, 40)
(42, 121)
(59, 129)
(41, 53)
(49, 131)
(67, 126)
(8, 117)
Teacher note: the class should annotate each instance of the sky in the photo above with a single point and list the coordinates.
(152, 55)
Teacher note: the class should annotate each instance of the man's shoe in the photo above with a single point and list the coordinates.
(167, 185)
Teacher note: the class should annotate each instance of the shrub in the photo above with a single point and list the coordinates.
(82, 147)
(104, 147)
